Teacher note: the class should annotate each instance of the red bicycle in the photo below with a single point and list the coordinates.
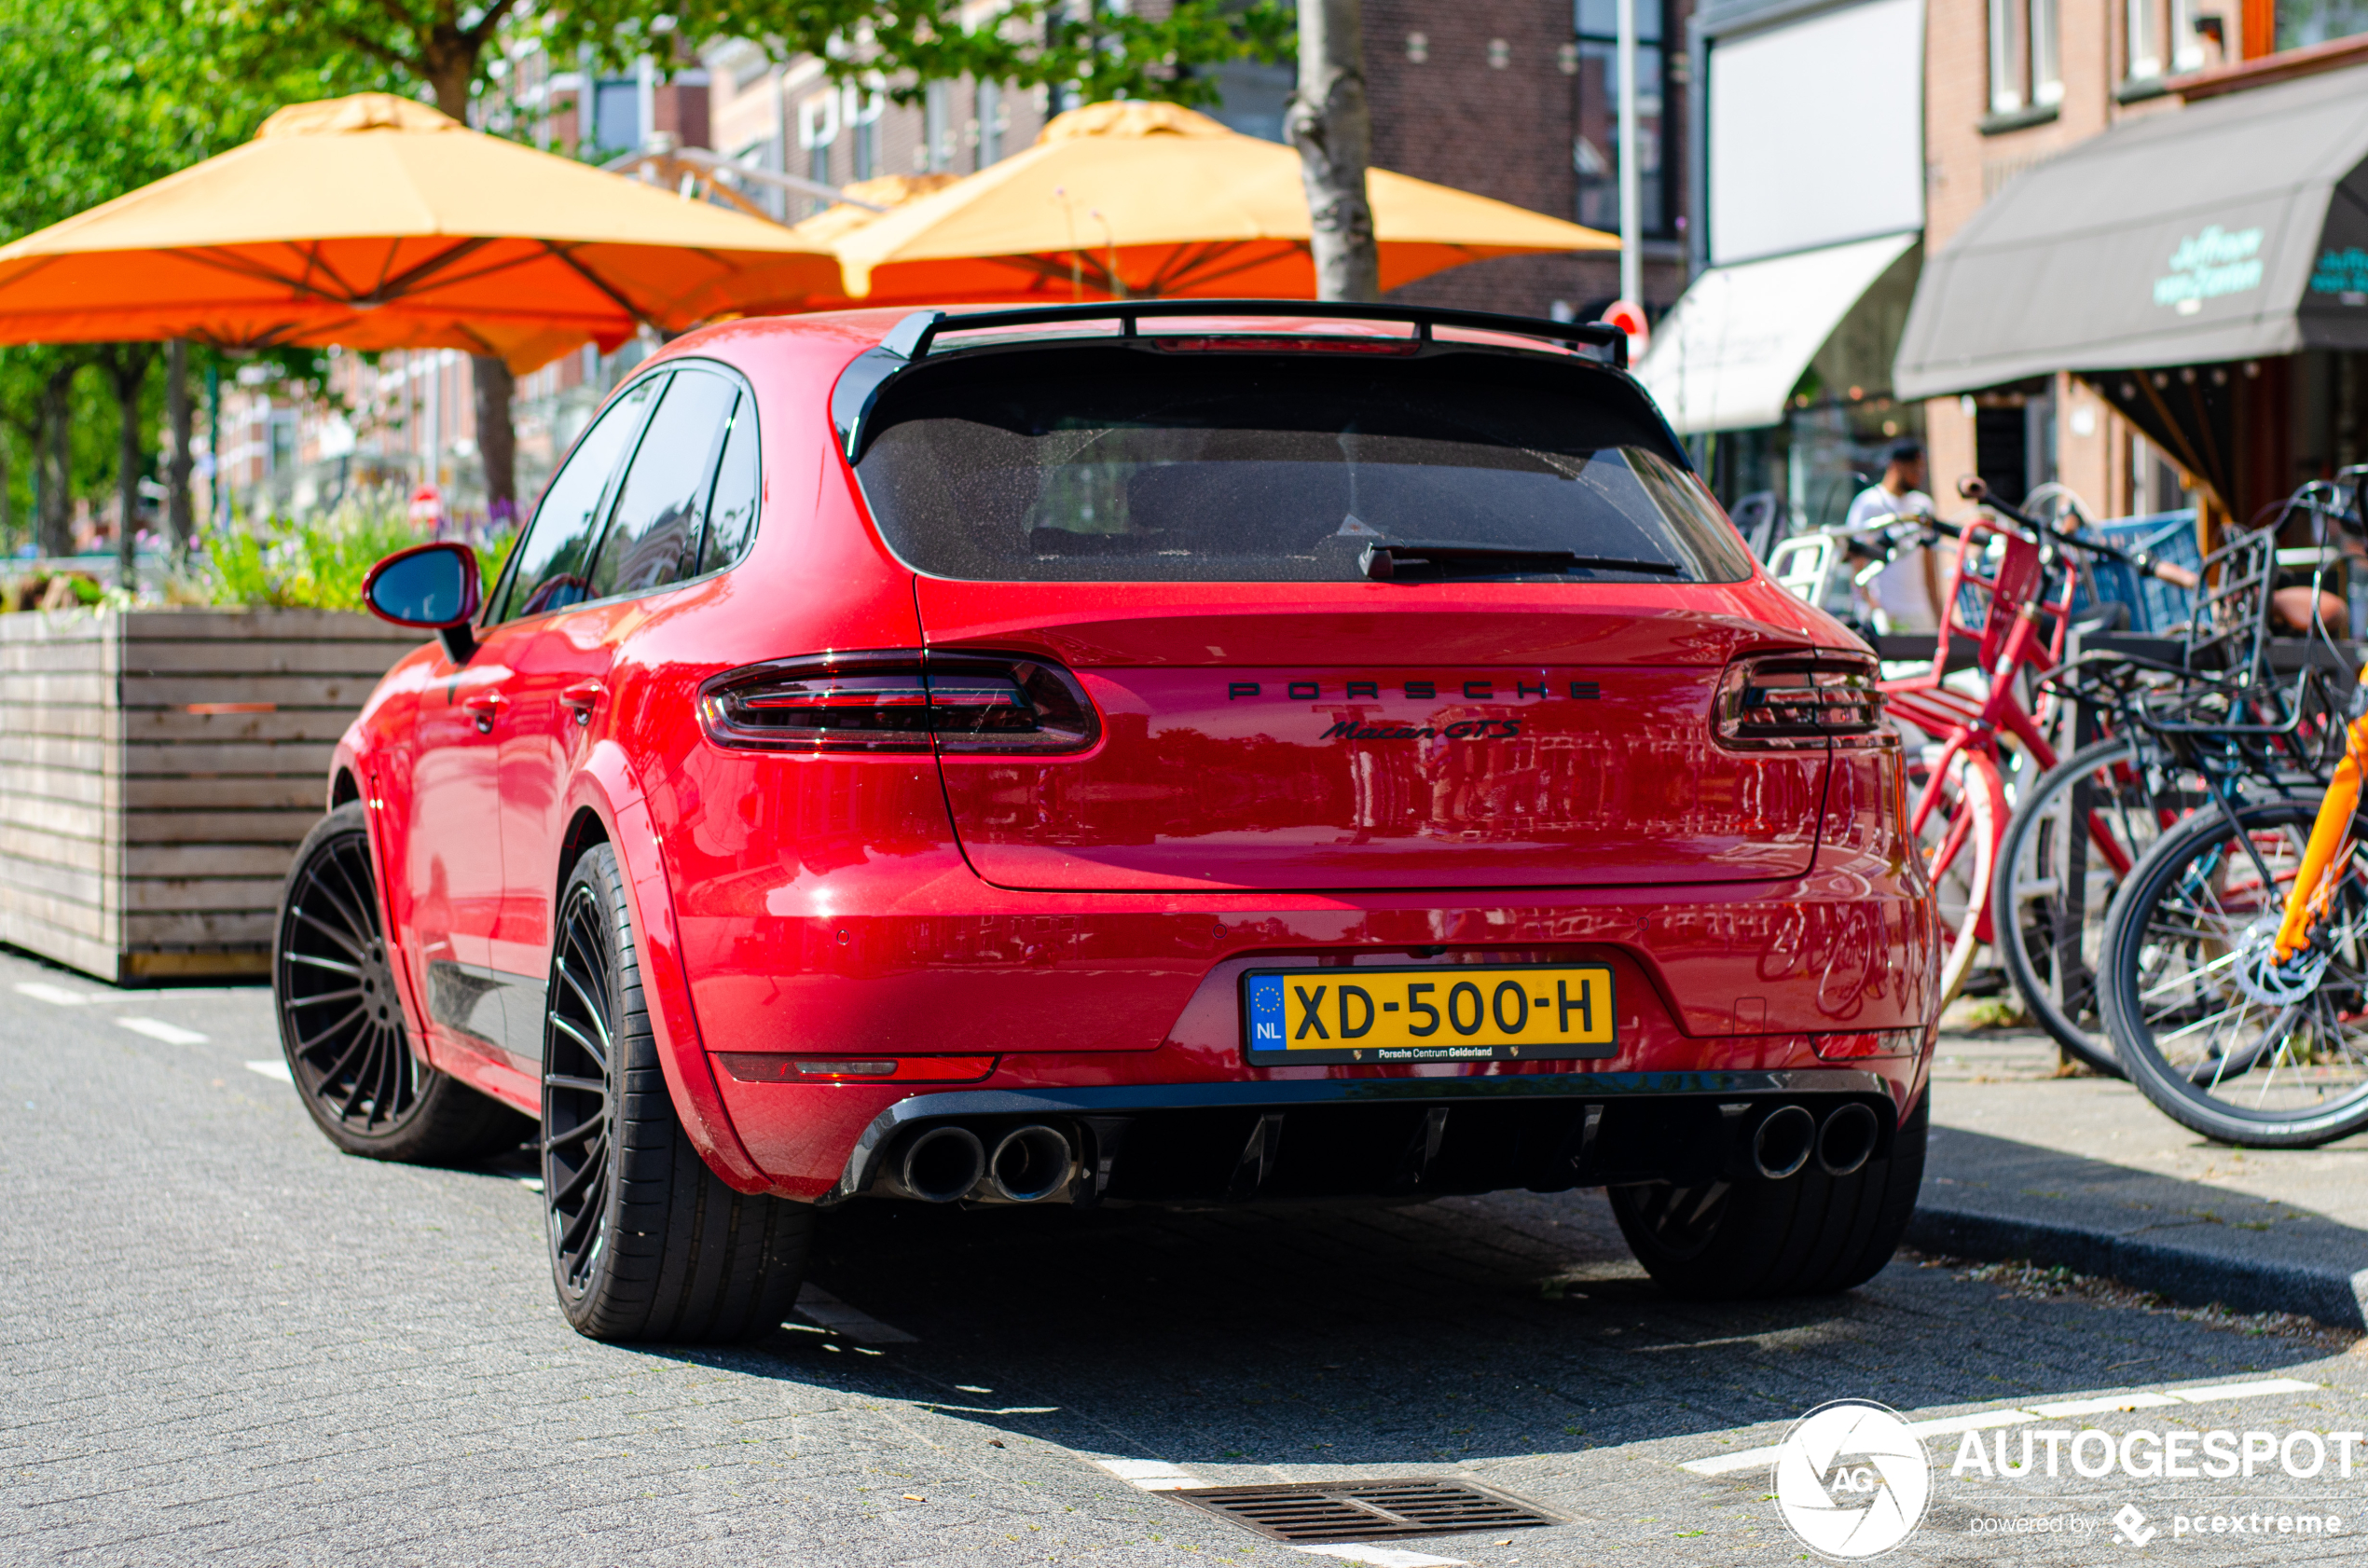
(2011, 594)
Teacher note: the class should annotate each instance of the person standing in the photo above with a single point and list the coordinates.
(1905, 594)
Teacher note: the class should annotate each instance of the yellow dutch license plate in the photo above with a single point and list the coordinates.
(1481, 1013)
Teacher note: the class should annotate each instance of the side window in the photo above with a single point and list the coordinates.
(654, 533)
(731, 515)
(547, 570)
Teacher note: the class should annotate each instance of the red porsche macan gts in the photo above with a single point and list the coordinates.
(1150, 752)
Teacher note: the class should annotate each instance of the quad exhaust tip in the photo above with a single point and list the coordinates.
(1846, 1140)
(1789, 1137)
(1784, 1141)
(1030, 1163)
(943, 1164)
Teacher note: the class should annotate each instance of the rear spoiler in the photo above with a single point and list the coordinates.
(910, 341)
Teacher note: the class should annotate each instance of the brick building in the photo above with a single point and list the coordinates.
(2227, 401)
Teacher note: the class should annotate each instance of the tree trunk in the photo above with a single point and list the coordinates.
(181, 416)
(128, 369)
(53, 461)
(451, 65)
(497, 439)
(1332, 127)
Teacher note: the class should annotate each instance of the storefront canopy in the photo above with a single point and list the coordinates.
(2230, 230)
(1727, 356)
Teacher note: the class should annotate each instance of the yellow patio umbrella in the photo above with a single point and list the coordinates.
(871, 198)
(374, 222)
(1155, 200)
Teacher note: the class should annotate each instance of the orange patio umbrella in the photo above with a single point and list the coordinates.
(374, 222)
(1155, 200)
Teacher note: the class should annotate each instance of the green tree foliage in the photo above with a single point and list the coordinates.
(98, 97)
(1104, 49)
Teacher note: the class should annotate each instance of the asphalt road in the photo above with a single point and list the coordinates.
(222, 1342)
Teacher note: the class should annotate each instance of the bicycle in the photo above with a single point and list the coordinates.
(2122, 789)
(2235, 954)
(2012, 572)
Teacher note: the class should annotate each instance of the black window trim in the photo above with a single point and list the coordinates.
(610, 492)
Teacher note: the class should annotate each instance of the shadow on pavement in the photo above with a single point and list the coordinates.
(1456, 1331)
(1994, 1198)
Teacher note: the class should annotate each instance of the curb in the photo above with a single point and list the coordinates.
(2189, 1276)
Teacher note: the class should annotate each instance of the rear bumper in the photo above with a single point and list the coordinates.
(1084, 1005)
(1334, 1137)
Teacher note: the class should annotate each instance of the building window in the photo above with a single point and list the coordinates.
(1596, 152)
(2304, 22)
(2145, 40)
(616, 115)
(994, 120)
(2175, 37)
(2026, 63)
(937, 126)
(863, 114)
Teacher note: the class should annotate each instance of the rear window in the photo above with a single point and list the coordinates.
(1079, 465)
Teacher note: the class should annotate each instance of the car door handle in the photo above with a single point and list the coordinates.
(483, 708)
(582, 698)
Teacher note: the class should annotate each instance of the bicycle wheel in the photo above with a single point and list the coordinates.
(2222, 1037)
(2054, 885)
(1959, 840)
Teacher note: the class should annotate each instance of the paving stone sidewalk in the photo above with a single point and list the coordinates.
(2085, 1172)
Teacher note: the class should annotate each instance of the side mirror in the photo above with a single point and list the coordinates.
(428, 585)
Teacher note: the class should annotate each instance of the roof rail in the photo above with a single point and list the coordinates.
(912, 338)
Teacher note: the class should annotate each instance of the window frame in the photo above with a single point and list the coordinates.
(611, 492)
(2016, 49)
(1663, 47)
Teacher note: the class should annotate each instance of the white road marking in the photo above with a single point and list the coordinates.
(157, 1028)
(2239, 1390)
(1385, 1557)
(272, 1069)
(2133, 1399)
(817, 1305)
(2109, 1402)
(57, 996)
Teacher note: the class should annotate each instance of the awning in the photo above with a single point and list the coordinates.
(2232, 229)
(1729, 354)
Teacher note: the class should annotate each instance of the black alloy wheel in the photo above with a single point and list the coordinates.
(341, 1024)
(646, 1241)
(579, 1047)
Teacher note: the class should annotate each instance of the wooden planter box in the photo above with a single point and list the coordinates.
(157, 769)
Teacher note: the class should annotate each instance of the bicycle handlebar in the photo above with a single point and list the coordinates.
(2178, 577)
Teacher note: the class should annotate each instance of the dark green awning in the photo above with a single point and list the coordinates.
(2229, 230)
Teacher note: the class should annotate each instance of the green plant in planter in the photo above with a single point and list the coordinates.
(318, 562)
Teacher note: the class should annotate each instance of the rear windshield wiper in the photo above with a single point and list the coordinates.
(1381, 562)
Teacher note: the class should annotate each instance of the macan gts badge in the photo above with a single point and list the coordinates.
(1140, 754)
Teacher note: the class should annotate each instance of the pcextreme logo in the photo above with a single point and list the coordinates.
(1851, 1481)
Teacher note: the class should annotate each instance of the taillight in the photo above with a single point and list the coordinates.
(900, 700)
(1800, 701)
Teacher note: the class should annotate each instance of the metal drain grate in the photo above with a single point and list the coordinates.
(1366, 1511)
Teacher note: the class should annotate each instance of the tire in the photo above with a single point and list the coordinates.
(2222, 1040)
(2047, 905)
(646, 1241)
(1811, 1234)
(1959, 839)
(341, 1024)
